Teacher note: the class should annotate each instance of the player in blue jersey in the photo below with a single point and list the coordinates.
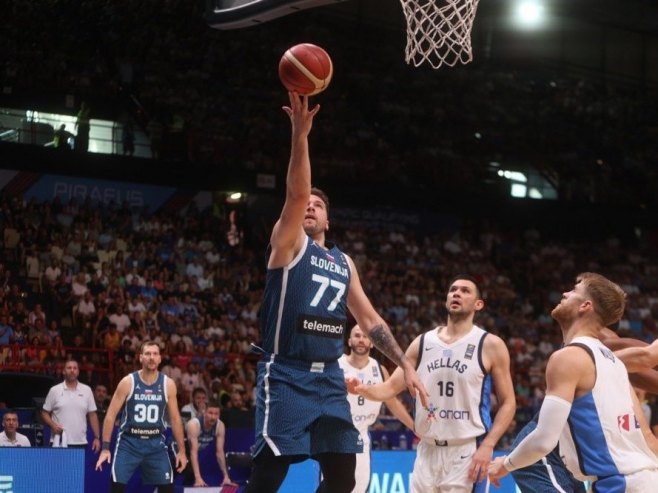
(143, 397)
(302, 410)
(590, 407)
(548, 474)
(203, 432)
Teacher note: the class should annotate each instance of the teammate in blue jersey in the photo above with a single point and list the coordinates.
(590, 407)
(302, 409)
(203, 432)
(143, 397)
(547, 475)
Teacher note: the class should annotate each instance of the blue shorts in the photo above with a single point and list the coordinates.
(302, 409)
(150, 455)
(548, 475)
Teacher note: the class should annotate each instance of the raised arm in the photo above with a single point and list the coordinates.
(496, 352)
(396, 407)
(118, 400)
(288, 234)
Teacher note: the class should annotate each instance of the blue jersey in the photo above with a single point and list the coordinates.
(144, 410)
(304, 311)
(206, 437)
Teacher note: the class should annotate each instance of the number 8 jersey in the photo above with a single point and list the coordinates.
(459, 387)
(144, 410)
(304, 311)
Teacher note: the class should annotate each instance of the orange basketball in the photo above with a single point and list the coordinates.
(305, 68)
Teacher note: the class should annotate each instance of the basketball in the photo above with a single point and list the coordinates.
(306, 68)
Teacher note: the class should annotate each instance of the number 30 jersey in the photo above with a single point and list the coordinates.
(304, 311)
(459, 387)
(144, 410)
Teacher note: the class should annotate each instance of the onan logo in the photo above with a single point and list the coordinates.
(458, 414)
(358, 418)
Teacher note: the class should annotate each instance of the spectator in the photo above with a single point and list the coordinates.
(83, 126)
(10, 437)
(62, 137)
(67, 408)
(102, 400)
(197, 407)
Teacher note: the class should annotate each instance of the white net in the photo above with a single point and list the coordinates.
(439, 31)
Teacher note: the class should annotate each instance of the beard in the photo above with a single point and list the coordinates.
(559, 313)
(359, 350)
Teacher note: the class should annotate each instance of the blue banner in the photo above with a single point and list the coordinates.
(391, 473)
(56, 470)
(65, 188)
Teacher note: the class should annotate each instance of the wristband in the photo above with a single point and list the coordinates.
(106, 446)
(507, 464)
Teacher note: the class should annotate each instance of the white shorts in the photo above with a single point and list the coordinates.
(362, 472)
(442, 469)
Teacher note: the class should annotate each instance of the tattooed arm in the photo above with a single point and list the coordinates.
(380, 334)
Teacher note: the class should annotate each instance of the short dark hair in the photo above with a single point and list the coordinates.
(213, 403)
(468, 277)
(325, 198)
(148, 343)
(199, 390)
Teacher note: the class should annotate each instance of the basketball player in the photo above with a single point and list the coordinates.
(203, 432)
(144, 396)
(301, 408)
(358, 364)
(549, 473)
(607, 440)
(458, 363)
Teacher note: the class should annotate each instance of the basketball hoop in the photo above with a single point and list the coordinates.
(439, 31)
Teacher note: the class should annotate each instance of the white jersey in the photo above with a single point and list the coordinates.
(603, 437)
(364, 411)
(458, 386)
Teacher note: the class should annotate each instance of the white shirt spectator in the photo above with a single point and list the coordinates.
(187, 340)
(194, 269)
(173, 372)
(212, 257)
(136, 306)
(86, 307)
(69, 408)
(52, 272)
(20, 441)
(121, 320)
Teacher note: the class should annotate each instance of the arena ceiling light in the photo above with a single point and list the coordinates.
(529, 14)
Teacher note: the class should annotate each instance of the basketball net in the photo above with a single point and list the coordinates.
(439, 31)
